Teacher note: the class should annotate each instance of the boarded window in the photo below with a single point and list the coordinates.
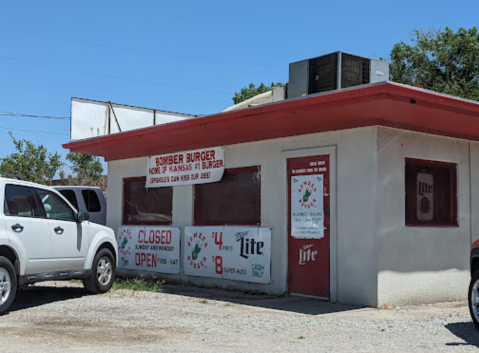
(430, 193)
(151, 206)
(234, 200)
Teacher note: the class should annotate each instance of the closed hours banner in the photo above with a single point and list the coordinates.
(155, 249)
(234, 253)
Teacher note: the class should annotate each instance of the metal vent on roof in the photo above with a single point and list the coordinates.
(323, 74)
(334, 71)
(354, 70)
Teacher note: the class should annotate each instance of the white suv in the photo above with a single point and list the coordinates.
(44, 238)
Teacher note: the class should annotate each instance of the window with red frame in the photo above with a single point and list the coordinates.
(234, 200)
(152, 206)
(431, 193)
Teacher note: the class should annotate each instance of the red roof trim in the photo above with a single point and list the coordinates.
(385, 104)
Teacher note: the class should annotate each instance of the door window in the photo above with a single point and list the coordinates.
(20, 201)
(70, 196)
(92, 202)
(55, 207)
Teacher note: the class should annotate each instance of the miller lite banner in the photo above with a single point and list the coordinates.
(186, 168)
(154, 249)
(307, 214)
(235, 253)
(425, 197)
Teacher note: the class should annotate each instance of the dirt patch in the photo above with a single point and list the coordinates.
(59, 317)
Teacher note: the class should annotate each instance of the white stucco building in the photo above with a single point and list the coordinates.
(395, 166)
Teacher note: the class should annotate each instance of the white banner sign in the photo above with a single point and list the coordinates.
(307, 218)
(186, 168)
(155, 249)
(237, 253)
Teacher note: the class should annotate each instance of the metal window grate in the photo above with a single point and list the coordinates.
(323, 74)
(235, 199)
(146, 206)
(443, 195)
(354, 70)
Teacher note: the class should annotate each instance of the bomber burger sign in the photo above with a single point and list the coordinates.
(186, 168)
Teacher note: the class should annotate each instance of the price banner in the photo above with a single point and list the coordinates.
(155, 249)
(186, 168)
(236, 253)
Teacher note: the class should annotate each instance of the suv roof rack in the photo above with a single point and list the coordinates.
(11, 175)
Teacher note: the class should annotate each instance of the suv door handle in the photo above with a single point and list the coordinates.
(17, 228)
(58, 230)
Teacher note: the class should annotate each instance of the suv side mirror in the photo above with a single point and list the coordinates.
(83, 216)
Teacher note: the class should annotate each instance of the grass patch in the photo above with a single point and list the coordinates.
(227, 304)
(203, 301)
(79, 281)
(301, 337)
(139, 284)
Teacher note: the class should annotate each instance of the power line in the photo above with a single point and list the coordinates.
(2, 113)
(35, 131)
(112, 76)
(142, 51)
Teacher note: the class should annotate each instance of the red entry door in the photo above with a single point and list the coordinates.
(308, 226)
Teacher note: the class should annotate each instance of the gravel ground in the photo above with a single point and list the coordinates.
(59, 317)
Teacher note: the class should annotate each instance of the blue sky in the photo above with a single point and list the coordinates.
(182, 56)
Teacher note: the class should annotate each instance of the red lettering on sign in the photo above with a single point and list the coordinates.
(141, 236)
(212, 164)
(200, 156)
(160, 180)
(146, 260)
(154, 170)
(155, 237)
(168, 160)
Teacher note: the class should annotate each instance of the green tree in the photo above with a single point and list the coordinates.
(442, 61)
(251, 91)
(87, 170)
(34, 163)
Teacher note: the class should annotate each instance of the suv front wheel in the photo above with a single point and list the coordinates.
(8, 284)
(102, 273)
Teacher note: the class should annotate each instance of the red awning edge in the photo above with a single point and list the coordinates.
(385, 104)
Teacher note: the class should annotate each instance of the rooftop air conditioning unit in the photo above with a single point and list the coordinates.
(334, 71)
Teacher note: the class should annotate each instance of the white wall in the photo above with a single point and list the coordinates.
(353, 244)
(421, 264)
(375, 259)
(357, 218)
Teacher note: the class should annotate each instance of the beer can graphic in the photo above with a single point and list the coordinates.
(425, 197)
